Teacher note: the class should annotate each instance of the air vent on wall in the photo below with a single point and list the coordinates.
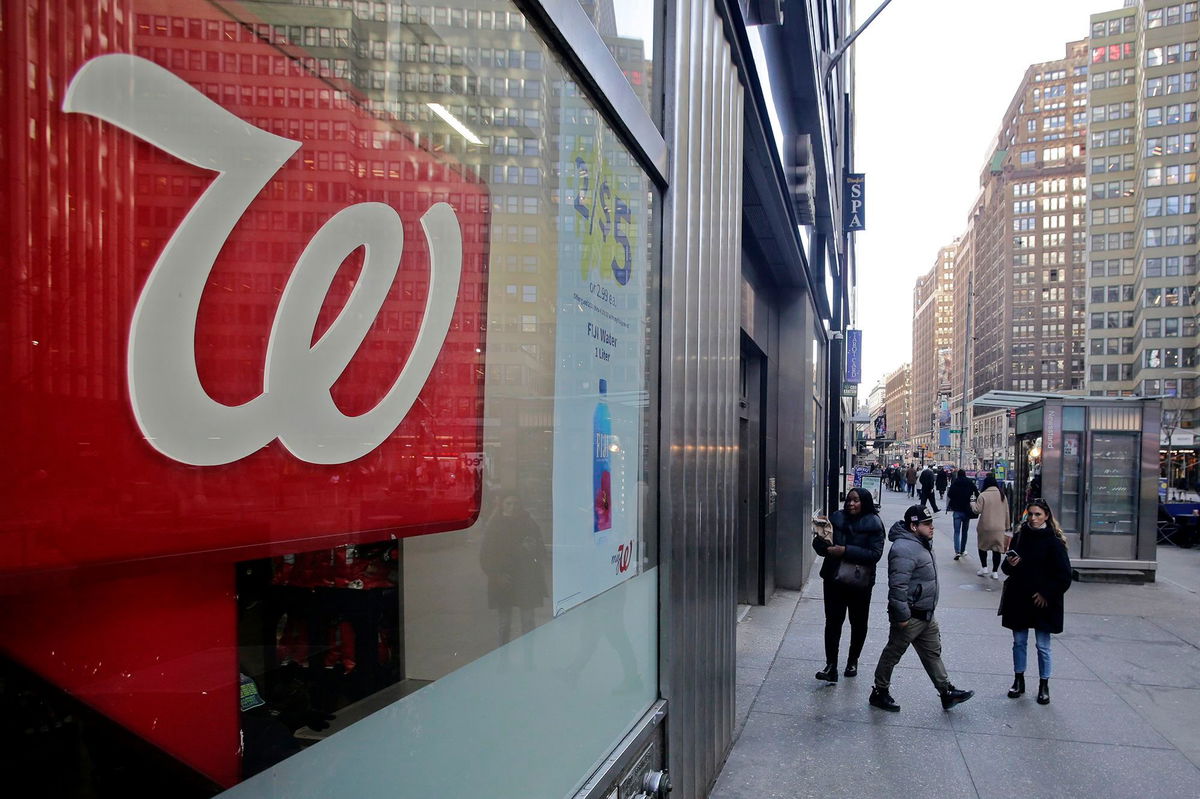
(802, 179)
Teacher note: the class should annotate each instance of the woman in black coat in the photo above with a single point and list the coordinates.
(1039, 573)
(858, 537)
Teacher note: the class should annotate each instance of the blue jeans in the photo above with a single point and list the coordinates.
(1021, 647)
(962, 524)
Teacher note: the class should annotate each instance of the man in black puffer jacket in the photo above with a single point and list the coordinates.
(926, 478)
(912, 598)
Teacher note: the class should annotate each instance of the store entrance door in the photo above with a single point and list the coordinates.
(751, 540)
(1112, 508)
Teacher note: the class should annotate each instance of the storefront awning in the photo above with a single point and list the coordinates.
(1013, 399)
(1018, 399)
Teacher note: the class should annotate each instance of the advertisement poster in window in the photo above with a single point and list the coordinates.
(600, 390)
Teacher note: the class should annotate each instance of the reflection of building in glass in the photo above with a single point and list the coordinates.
(629, 53)
(474, 83)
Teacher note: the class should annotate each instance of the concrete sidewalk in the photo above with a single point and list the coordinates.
(1123, 721)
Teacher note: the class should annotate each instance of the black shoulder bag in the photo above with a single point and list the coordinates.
(1004, 588)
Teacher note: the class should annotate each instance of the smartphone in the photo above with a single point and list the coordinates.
(1012, 553)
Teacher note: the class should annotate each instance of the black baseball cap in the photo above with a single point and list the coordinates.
(917, 514)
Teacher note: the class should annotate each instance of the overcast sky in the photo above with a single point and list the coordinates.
(934, 78)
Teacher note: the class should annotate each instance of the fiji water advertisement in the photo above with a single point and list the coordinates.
(600, 391)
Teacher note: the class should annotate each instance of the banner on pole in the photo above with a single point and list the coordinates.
(855, 202)
(853, 357)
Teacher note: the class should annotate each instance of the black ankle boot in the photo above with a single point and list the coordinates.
(851, 668)
(952, 696)
(1018, 686)
(883, 700)
(829, 673)
(1043, 692)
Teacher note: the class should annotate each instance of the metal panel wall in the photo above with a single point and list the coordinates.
(700, 352)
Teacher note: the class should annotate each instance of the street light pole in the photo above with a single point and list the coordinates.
(841, 51)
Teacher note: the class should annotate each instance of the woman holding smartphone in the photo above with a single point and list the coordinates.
(1039, 574)
(857, 538)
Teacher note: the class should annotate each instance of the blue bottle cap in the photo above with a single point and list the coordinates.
(603, 386)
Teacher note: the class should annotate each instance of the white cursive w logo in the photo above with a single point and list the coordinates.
(175, 413)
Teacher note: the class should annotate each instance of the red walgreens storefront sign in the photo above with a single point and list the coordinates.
(244, 315)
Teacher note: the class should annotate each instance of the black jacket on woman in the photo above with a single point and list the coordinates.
(1045, 569)
(862, 536)
(961, 492)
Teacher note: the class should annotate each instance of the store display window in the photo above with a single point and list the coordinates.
(329, 331)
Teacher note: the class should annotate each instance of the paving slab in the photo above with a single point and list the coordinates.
(1187, 629)
(1081, 711)
(808, 641)
(1006, 766)
(1101, 628)
(743, 697)
(747, 675)
(1175, 665)
(1173, 712)
(992, 655)
(781, 758)
(792, 689)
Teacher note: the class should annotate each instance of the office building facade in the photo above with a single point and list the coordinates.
(897, 394)
(1142, 334)
(932, 337)
(1027, 252)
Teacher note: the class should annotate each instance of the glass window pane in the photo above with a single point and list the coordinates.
(341, 547)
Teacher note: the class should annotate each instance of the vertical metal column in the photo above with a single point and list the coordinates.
(699, 394)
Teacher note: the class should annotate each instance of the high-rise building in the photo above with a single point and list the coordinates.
(1026, 250)
(960, 335)
(1142, 211)
(897, 396)
(932, 331)
(1029, 236)
(1112, 203)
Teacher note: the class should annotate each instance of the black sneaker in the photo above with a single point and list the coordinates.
(883, 700)
(828, 674)
(952, 696)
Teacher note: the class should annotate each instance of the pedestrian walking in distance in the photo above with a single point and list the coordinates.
(856, 539)
(992, 507)
(962, 491)
(941, 480)
(1039, 574)
(912, 599)
(910, 480)
(926, 479)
